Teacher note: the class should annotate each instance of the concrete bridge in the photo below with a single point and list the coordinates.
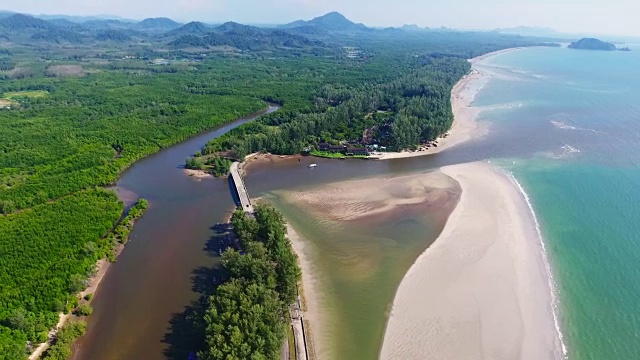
(241, 190)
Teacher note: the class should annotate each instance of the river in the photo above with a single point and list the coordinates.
(140, 306)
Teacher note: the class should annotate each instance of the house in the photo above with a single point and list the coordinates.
(358, 151)
(323, 147)
(337, 148)
(160, 62)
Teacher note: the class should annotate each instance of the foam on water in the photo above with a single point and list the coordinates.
(555, 302)
(565, 126)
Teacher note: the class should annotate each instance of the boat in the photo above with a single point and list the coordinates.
(313, 165)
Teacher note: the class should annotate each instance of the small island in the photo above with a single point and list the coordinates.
(592, 44)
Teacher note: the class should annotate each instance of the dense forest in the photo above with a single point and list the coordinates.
(411, 107)
(46, 255)
(79, 103)
(248, 314)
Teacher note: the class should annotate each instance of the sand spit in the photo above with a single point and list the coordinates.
(481, 291)
(198, 174)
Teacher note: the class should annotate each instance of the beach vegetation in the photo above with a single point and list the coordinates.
(83, 310)
(65, 337)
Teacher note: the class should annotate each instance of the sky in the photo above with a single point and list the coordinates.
(576, 16)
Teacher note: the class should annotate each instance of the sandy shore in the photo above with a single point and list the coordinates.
(310, 295)
(482, 290)
(464, 125)
(364, 199)
(197, 174)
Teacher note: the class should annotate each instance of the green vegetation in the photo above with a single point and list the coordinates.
(247, 316)
(214, 164)
(61, 349)
(292, 342)
(25, 94)
(83, 310)
(88, 297)
(328, 155)
(417, 90)
(46, 261)
(121, 232)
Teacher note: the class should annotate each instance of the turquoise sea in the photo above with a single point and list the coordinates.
(566, 124)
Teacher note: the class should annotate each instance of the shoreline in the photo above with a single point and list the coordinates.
(545, 258)
(526, 265)
(309, 294)
(197, 174)
(464, 127)
(488, 266)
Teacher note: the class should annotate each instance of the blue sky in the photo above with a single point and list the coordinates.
(594, 16)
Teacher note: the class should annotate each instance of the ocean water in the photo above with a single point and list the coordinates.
(566, 124)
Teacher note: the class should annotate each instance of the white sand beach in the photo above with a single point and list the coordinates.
(481, 291)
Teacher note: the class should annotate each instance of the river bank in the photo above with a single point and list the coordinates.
(482, 289)
(101, 269)
(121, 302)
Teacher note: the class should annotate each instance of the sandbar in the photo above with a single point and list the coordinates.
(482, 290)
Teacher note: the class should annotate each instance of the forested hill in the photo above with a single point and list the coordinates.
(245, 37)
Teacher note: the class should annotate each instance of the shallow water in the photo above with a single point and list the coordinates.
(581, 116)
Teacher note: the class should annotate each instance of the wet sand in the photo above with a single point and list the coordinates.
(355, 255)
(198, 174)
(481, 291)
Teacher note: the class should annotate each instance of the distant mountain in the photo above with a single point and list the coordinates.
(412, 27)
(81, 19)
(113, 35)
(531, 31)
(5, 14)
(245, 37)
(592, 44)
(63, 23)
(157, 24)
(18, 22)
(58, 36)
(106, 24)
(192, 28)
(333, 21)
(234, 26)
